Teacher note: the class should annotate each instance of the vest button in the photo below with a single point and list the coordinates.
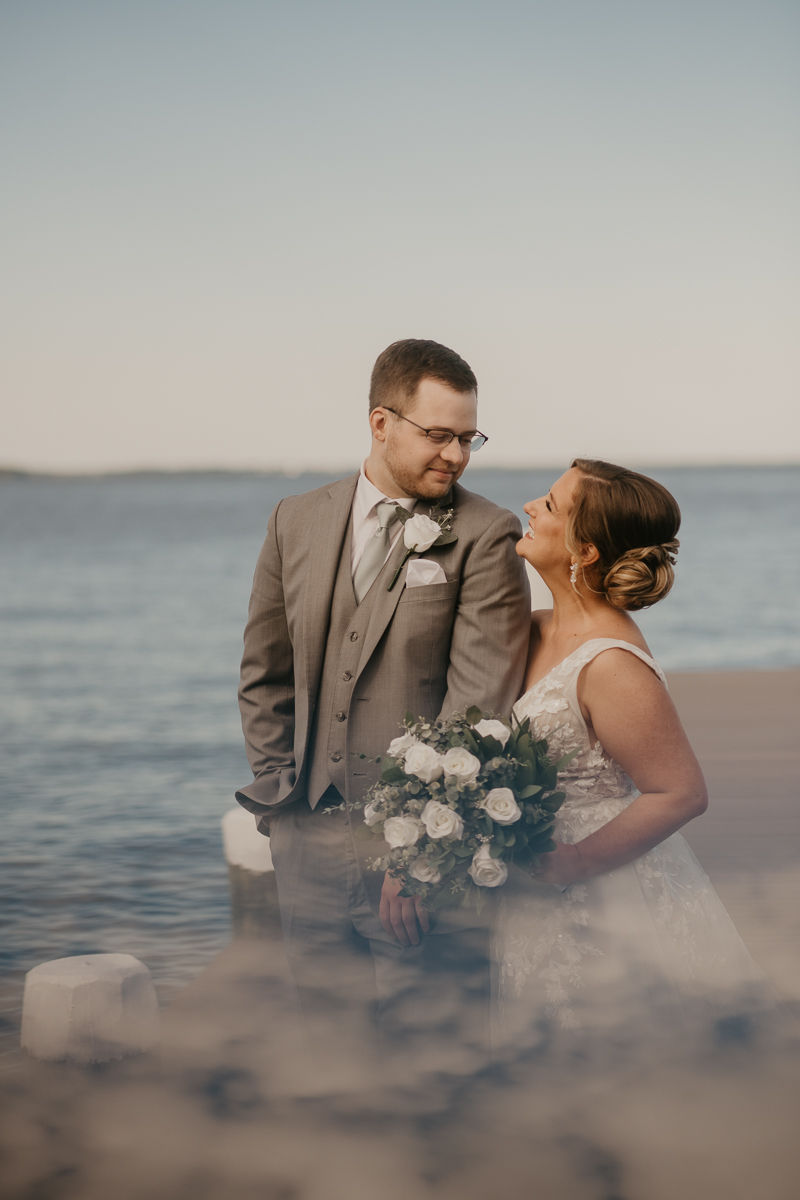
(347, 677)
(336, 757)
(340, 716)
(353, 636)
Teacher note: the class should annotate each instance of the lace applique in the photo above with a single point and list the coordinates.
(554, 954)
(680, 901)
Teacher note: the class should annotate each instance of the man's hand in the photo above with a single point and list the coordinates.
(400, 914)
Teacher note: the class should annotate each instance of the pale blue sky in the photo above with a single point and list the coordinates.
(217, 214)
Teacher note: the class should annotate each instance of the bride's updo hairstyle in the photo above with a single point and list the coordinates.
(633, 522)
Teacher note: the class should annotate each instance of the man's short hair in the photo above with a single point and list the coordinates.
(401, 368)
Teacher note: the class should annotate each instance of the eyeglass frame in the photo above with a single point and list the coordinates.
(470, 449)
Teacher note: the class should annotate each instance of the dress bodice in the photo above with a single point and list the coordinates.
(596, 787)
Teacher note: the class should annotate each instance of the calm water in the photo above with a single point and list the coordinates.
(122, 607)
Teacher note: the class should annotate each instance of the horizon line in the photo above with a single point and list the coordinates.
(9, 472)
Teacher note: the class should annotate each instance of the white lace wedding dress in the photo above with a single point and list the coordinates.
(647, 945)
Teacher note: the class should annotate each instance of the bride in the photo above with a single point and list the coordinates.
(619, 924)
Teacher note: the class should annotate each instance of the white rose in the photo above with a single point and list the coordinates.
(495, 729)
(485, 870)
(501, 806)
(460, 763)
(424, 872)
(441, 821)
(401, 831)
(420, 532)
(370, 816)
(399, 745)
(424, 762)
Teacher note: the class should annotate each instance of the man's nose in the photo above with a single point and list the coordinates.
(453, 453)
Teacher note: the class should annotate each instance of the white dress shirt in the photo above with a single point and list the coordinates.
(365, 516)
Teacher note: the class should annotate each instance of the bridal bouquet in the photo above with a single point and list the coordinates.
(457, 801)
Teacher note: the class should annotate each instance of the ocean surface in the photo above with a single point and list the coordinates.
(122, 605)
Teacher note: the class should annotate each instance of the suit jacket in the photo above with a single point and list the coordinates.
(431, 650)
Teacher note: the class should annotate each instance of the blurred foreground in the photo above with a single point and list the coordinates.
(244, 1103)
(238, 1106)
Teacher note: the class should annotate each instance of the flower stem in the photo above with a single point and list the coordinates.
(406, 557)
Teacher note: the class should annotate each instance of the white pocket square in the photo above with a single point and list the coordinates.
(421, 572)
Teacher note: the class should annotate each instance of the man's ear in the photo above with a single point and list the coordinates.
(377, 423)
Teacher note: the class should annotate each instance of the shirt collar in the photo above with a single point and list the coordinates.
(367, 496)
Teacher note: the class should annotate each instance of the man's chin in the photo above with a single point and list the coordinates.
(433, 488)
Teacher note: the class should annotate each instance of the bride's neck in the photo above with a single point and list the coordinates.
(575, 609)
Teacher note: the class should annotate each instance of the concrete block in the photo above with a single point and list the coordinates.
(89, 1008)
(254, 893)
(244, 845)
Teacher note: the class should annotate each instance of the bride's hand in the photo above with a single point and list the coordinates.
(561, 866)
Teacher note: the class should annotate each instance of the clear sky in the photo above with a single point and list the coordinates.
(216, 214)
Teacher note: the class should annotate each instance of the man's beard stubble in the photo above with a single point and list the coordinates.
(419, 485)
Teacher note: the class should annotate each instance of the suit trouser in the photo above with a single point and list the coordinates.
(429, 1003)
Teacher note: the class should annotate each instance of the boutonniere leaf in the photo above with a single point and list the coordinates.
(421, 532)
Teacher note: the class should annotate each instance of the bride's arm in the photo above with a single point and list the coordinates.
(636, 722)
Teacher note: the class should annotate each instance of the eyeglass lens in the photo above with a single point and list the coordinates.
(440, 438)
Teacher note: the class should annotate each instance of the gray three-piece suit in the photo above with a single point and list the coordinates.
(325, 680)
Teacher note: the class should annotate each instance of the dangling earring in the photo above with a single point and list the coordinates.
(573, 575)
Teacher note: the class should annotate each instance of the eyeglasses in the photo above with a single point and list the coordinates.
(443, 437)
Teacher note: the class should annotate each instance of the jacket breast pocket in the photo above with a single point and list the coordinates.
(430, 593)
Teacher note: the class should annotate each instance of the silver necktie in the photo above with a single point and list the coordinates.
(375, 553)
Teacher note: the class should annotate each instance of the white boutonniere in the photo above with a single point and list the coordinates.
(421, 532)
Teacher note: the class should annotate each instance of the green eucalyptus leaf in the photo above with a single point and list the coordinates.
(474, 715)
(566, 758)
(471, 742)
(393, 774)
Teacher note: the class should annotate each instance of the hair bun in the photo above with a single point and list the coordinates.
(641, 577)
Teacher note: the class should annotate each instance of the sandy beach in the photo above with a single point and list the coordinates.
(743, 726)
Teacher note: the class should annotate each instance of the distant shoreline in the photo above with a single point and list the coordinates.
(21, 473)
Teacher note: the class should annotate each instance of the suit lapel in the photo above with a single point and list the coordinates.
(326, 536)
(385, 601)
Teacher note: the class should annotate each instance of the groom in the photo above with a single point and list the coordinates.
(333, 659)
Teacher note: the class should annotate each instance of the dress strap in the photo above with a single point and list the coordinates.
(589, 650)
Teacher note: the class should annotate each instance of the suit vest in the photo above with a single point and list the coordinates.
(327, 753)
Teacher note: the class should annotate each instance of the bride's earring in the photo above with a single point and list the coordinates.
(573, 575)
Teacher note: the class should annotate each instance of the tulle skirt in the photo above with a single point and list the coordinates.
(645, 952)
